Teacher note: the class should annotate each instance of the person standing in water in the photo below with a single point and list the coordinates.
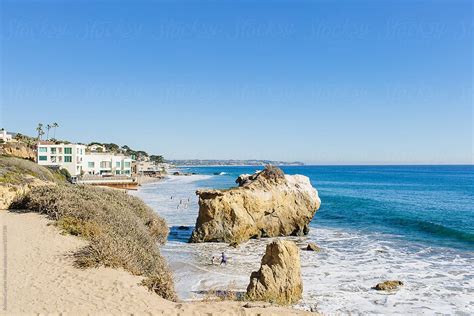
(223, 259)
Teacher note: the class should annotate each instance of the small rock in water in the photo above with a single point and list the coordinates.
(234, 244)
(388, 285)
(313, 247)
(313, 308)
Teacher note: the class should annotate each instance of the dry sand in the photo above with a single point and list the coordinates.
(41, 279)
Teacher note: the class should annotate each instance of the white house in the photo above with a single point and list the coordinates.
(77, 161)
(67, 156)
(107, 164)
(6, 138)
(96, 148)
(144, 167)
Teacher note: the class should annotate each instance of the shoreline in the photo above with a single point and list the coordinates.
(148, 179)
(331, 280)
(45, 266)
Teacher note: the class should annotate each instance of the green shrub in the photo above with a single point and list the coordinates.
(123, 231)
(78, 227)
(64, 173)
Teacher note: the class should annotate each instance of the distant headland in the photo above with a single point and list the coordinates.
(232, 162)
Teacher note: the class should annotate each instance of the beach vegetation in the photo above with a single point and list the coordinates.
(26, 140)
(123, 232)
(157, 159)
(17, 171)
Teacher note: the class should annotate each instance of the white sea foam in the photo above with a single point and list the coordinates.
(339, 279)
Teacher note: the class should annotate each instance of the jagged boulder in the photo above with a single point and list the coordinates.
(313, 247)
(279, 278)
(265, 204)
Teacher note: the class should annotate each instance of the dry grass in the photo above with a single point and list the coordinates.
(123, 231)
(19, 171)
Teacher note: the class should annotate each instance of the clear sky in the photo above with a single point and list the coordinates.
(316, 81)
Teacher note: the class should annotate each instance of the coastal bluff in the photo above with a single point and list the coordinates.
(267, 203)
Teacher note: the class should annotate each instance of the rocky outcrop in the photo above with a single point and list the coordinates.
(388, 285)
(279, 278)
(313, 247)
(17, 150)
(265, 204)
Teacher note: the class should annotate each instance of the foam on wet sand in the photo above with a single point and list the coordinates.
(337, 279)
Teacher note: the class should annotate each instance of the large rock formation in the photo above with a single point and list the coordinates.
(265, 204)
(279, 277)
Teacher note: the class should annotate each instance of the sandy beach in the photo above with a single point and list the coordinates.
(149, 179)
(41, 279)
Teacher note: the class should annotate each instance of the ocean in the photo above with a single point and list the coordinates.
(376, 223)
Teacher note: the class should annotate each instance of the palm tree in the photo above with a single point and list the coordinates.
(55, 125)
(39, 129)
(48, 127)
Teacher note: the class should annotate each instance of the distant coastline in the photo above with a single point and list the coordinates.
(230, 162)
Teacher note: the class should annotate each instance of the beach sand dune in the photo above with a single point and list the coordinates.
(41, 279)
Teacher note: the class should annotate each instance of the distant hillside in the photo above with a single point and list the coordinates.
(232, 162)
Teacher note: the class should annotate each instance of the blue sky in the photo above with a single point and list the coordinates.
(324, 82)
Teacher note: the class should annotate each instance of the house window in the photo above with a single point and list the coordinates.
(91, 164)
(53, 151)
(105, 164)
(43, 149)
(68, 151)
(126, 164)
(117, 164)
(67, 158)
(127, 172)
(53, 159)
(43, 158)
(117, 171)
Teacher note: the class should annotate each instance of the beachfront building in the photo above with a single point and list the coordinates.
(107, 164)
(5, 137)
(96, 148)
(67, 156)
(150, 167)
(78, 161)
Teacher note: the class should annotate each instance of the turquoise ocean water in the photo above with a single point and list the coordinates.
(429, 204)
(410, 223)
